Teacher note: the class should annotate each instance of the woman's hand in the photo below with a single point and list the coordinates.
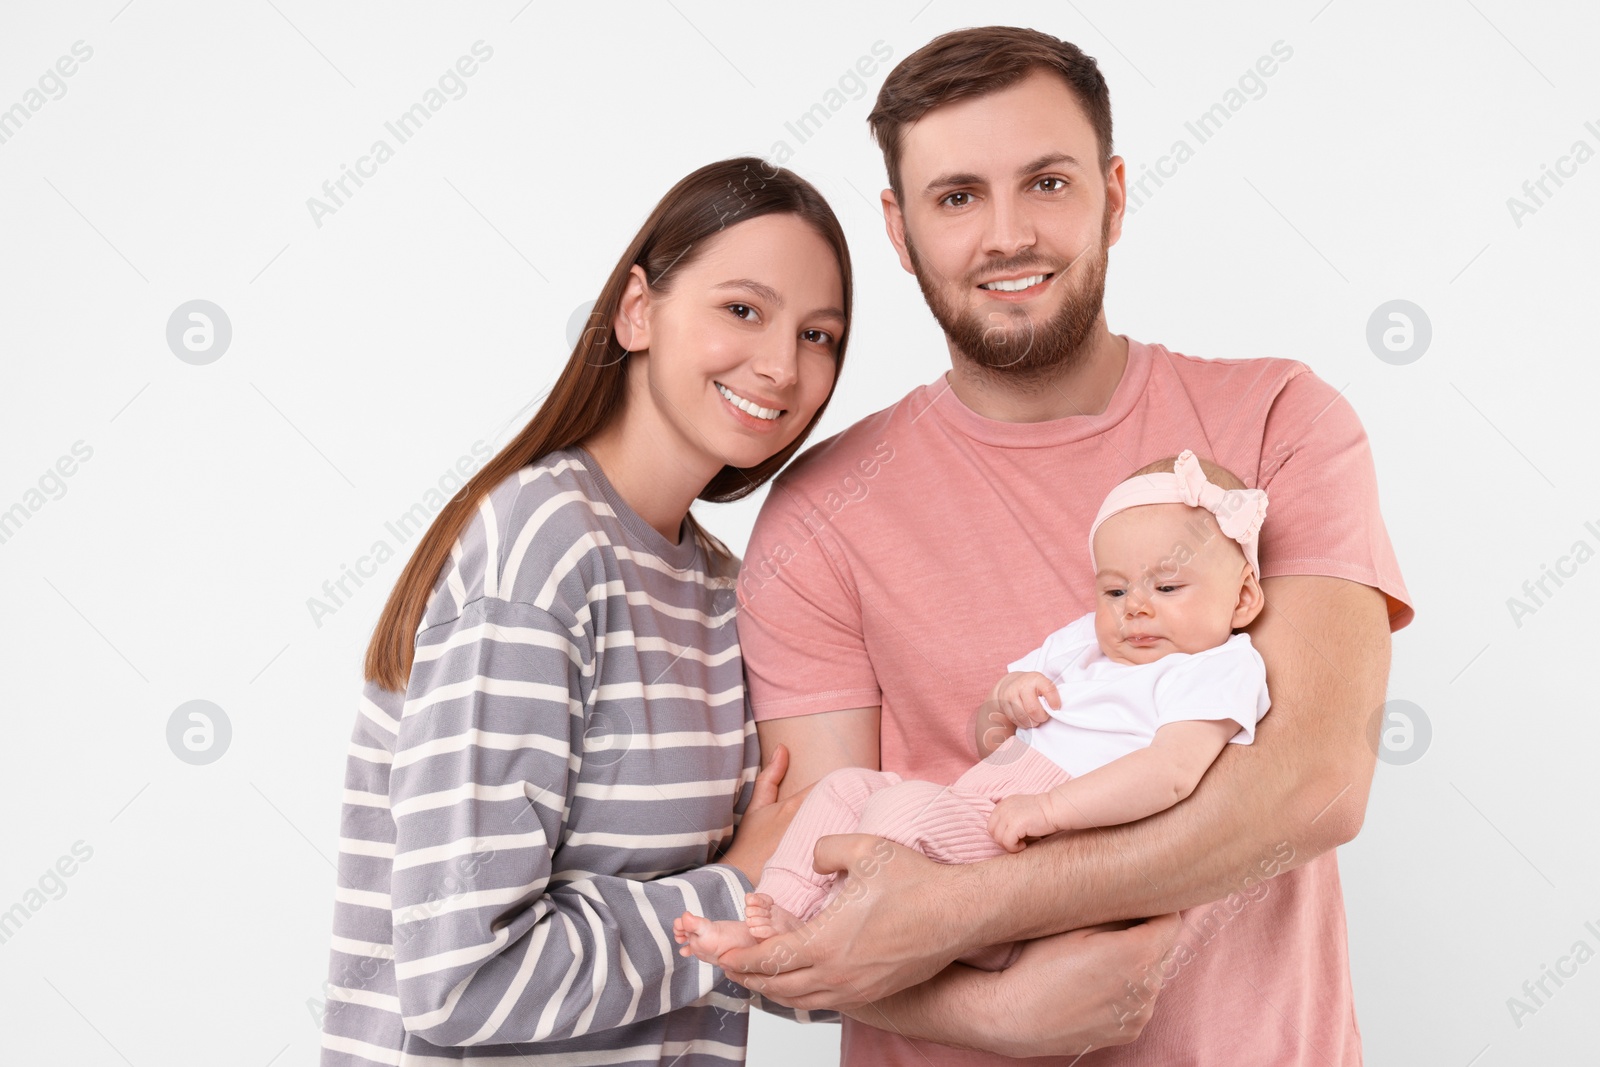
(764, 820)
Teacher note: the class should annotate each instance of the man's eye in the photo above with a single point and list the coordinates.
(1059, 184)
(951, 199)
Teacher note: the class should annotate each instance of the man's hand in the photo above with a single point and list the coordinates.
(867, 943)
(1064, 995)
(1081, 990)
(1021, 816)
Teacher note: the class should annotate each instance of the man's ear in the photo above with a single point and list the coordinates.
(894, 224)
(1251, 600)
(632, 321)
(1116, 197)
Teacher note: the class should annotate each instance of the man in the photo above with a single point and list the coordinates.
(897, 568)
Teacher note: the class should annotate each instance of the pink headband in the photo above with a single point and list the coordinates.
(1239, 512)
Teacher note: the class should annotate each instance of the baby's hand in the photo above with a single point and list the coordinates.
(1020, 694)
(1018, 817)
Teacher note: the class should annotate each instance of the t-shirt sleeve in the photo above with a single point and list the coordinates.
(1228, 683)
(1322, 495)
(800, 625)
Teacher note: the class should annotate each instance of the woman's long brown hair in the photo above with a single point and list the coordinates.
(589, 393)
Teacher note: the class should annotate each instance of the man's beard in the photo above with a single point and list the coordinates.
(1004, 340)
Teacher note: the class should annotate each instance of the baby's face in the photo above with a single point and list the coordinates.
(1169, 581)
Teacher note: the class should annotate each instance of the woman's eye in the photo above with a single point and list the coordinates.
(820, 337)
(743, 311)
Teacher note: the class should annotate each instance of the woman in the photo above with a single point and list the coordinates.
(553, 747)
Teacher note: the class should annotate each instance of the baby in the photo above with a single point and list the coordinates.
(1114, 718)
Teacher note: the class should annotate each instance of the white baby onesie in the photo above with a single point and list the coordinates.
(1109, 709)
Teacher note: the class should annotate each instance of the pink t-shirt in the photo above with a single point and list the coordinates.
(906, 561)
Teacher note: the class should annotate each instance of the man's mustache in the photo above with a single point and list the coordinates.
(1024, 265)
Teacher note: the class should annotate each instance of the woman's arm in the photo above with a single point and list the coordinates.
(487, 947)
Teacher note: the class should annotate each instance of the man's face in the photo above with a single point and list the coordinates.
(1002, 191)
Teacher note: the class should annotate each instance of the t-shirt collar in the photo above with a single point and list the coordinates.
(643, 535)
(1053, 432)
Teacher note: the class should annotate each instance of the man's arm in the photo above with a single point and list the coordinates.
(821, 743)
(1062, 996)
(1303, 782)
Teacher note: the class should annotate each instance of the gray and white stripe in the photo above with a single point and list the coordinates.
(521, 826)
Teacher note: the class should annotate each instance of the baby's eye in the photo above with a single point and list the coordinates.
(1167, 588)
(1114, 592)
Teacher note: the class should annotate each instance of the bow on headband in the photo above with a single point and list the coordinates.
(1239, 512)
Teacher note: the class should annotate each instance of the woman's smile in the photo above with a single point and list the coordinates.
(748, 412)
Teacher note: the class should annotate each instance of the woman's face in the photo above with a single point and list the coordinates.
(741, 351)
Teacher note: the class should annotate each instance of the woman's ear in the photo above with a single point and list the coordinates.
(632, 322)
(1251, 600)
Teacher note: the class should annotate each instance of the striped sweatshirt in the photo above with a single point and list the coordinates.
(521, 825)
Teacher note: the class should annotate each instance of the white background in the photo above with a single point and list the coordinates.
(370, 353)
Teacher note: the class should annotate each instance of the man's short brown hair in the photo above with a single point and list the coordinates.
(974, 62)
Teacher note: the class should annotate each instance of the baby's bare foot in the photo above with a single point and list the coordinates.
(765, 919)
(706, 939)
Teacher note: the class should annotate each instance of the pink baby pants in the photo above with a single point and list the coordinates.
(945, 823)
